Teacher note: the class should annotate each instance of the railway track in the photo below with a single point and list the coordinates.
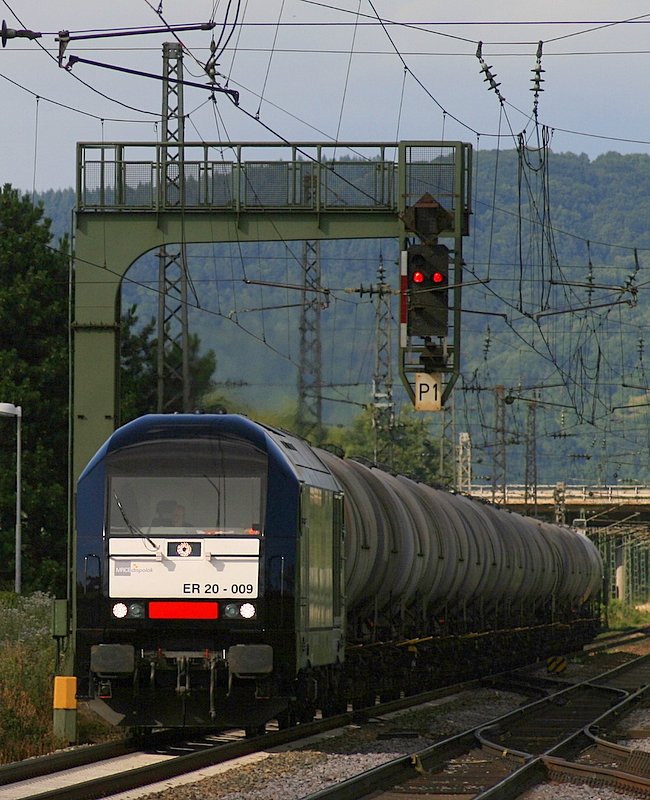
(61, 776)
(611, 639)
(547, 738)
(119, 767)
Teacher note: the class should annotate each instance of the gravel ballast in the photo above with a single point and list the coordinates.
(293, 773)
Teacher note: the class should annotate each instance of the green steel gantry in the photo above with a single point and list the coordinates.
(251, 192)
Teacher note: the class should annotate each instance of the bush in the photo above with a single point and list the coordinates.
(27, 655)
(621, 616)
(26, 618)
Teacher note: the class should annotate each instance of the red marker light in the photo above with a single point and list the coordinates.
(418, 277)
(178, 609)
(438, 277)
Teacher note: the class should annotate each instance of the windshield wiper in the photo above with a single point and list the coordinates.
(218, 491)
(133, 529)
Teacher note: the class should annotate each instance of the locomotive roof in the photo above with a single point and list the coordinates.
(280, 445)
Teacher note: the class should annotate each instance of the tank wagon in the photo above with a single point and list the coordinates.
(227, 572)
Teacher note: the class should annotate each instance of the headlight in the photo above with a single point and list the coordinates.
(132, 611)
(120, 610)
(231, 611)
(247, 610)
(136, 610)
(239, 611)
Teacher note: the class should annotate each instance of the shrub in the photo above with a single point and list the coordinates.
(27, 656)
(621, 616)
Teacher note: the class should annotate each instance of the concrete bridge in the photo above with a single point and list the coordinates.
(602, 504)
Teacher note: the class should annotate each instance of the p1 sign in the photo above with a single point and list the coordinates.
(428, 392)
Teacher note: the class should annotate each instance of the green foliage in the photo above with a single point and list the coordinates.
(621, 616)
(284, 418)
(33, 375)
(138, 366)
(580, 360)
(415, 453)
(27, 619)
(58, 204)
(138, 361)
(27, 658)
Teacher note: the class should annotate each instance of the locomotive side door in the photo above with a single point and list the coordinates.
(318, 625)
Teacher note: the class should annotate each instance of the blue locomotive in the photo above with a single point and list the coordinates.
(228, 572)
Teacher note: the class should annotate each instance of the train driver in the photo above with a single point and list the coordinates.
(169, 513)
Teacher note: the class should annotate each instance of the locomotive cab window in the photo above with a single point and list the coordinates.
(212, 487)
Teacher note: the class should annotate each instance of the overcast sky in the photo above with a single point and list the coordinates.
(329, 71)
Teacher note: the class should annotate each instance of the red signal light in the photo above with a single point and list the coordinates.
(425, 304)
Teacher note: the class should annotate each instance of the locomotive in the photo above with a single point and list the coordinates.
(227, 572)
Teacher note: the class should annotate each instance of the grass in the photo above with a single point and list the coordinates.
(27, 656)
(27, 663)
(621, 616)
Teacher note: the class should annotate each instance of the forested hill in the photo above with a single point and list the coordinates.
(562, 245)
(556, 254)
(58, 205)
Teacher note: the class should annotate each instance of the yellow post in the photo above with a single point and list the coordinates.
(65, 707)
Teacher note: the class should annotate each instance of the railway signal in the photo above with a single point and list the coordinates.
(427, 283)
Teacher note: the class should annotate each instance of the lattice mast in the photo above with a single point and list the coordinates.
(499, 457)
(530, 472)
(383, 406)
(447, 451)
(173, 373)
(464, 464)
(310, 406)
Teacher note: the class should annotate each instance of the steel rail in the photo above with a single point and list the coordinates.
(559, 769)
(62, 759)
(134, 778)
(533, 770)
(181, 764)
(538, 767)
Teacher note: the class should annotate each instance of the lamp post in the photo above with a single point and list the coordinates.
(10, 410)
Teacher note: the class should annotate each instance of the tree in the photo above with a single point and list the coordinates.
(415, 452)
(137, 366)
(138, 361)
(34, 280)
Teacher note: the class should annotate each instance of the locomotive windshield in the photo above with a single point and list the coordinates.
(209, 486)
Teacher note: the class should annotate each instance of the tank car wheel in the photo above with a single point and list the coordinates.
(140, 734)
(386, 697)
(287, 719)
(365, 701)
(337, 705)
(252, 731)
(305, 714)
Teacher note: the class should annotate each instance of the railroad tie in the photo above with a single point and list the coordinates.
(638, 762)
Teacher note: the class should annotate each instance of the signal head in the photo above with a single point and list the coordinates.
(427, 279)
